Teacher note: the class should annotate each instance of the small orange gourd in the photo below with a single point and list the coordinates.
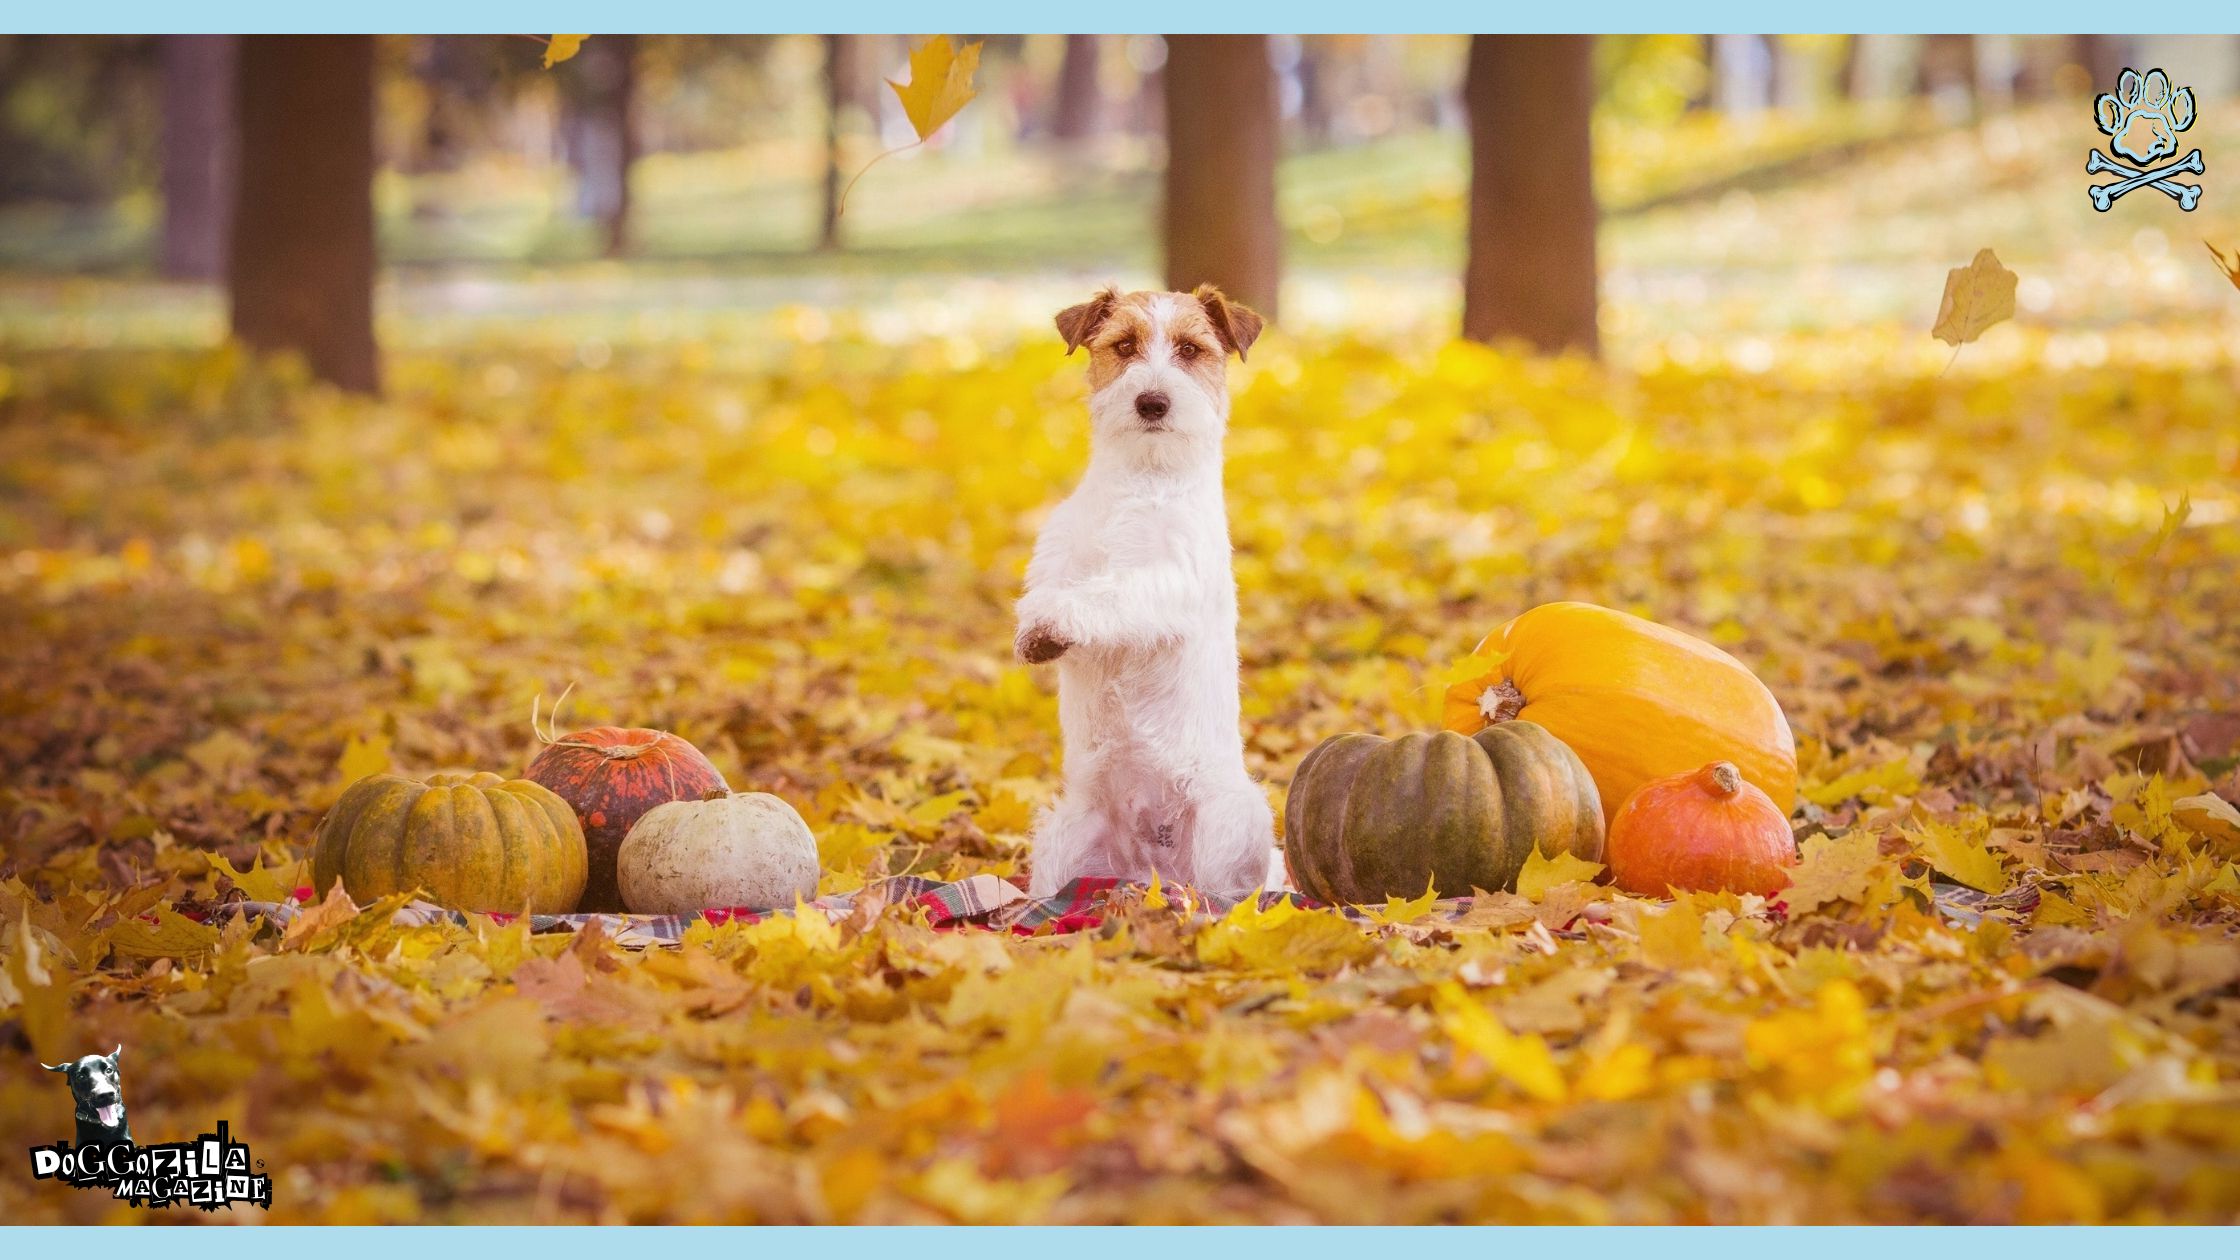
(1709, 830)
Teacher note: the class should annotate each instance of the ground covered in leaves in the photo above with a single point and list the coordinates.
(2005, 655)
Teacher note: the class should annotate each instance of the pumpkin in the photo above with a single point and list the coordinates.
(730, 850)
(1637, 701)
(1707, 830)
(611, 776)
(469, 840)
(1370, 818)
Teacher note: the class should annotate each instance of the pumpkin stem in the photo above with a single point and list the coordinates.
(715, 794)
(1501, 702)
(1725, 779)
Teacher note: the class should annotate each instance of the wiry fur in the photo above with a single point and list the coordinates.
(1130, 589)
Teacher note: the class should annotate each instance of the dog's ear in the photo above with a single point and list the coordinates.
(56, 1067)
(114, 1053)
(1079, 323)
(1237, 325)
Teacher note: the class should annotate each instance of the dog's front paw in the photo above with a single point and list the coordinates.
(1038, 644)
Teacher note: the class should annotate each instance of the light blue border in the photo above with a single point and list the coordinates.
(1188, 16)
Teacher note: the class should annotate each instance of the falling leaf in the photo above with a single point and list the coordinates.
(38, 989)
(940, 84)
(1975, 297)
(2229, 265)
(2173, 520)
(562, 47)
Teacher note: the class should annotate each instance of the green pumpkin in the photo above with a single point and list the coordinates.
(1370, 818)
(469, 841)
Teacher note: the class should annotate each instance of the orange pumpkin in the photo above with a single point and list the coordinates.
(1707, 830)
(1637, 701)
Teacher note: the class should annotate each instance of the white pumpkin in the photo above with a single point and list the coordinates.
(739, 849)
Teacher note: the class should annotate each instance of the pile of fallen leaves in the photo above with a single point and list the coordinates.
(2006, 649)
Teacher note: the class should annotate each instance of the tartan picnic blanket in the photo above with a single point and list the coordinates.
(985, 901)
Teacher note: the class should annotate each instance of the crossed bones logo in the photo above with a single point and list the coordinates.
(2144, 116)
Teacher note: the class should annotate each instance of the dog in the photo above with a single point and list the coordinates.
(1130, 590)
(99, 1093)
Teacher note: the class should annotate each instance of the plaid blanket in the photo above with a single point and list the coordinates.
(984, 901)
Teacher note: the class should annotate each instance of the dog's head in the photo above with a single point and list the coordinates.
(97, 1087)
(1159, 367)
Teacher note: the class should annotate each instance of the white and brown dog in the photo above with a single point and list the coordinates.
(1130, 590)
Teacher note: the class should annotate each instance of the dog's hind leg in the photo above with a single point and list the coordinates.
(1071, 840)
(1230, 840)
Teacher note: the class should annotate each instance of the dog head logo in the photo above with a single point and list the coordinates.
(99, 1093)
(2142, 119)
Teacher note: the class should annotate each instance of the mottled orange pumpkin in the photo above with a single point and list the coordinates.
(1706, 830)
(611, 776)
(468, 841)
(1637, 701)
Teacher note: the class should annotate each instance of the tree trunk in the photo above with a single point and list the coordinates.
(1080, 105)
(839, 88)
(300, 270)
(1220, 221)
(1531, 273)
(2102, 56)
(1948, 72)
(600, 138)
(198, 141)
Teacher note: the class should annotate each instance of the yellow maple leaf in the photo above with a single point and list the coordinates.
(1975, 297)
(363, 757)
(561, 48)
(1958, 856)
(1835, 868)
(1397, 910)
(1522, 1060)
(1282, 938)
(940, 84)
(172, 935)
(1542, 873)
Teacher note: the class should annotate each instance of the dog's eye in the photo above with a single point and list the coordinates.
(1125, 347)
(1187, 350)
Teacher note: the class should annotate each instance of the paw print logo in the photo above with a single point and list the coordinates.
(2143, 117)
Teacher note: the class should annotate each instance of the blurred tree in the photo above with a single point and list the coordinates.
(597, 133)
(1222, 142)
(1078, 111)
(839, 89)
(1531, 272)
(79, 116)
(1949, 72)
(198, 141)
(300, 264)
(2102, 56)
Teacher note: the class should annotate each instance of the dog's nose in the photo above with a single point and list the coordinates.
(1151, 405)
